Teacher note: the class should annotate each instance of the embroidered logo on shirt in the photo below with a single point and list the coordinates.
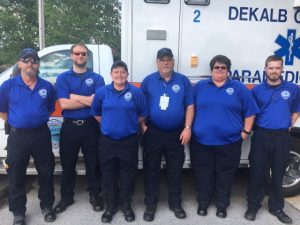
(176, 88)
(230, 91)
(43, 93)
(89, 81)
(285, 95)
(128, 96)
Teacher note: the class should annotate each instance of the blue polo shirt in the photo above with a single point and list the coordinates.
(84, 84)
(277, 104)
(180, 93)
(220, 111)
(27, 108)
(119, 111)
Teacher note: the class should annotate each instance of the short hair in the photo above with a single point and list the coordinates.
(273, 58)
(220, 59)
(117, 64)
(80, 44)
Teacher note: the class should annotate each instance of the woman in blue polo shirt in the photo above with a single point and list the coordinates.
(119, 107)
(224, 114)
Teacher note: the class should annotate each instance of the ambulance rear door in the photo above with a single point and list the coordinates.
(146, 27)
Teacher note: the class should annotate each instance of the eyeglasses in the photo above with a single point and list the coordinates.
(220, 67)
(80, 53)
(32, 61)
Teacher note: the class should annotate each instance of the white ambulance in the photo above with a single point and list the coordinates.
(196, 30)
(55, 60)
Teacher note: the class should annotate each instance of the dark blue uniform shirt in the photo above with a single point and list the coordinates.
(276, 104)
(119, 111)
(180, 93)
(220, 111)
(27, 108)
(84, 84)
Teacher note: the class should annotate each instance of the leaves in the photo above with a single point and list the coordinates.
(66, 21)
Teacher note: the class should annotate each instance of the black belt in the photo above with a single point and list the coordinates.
(80, 122)
(273, 131)
(28, 130)
(160, 131)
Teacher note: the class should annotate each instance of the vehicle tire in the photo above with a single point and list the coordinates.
(291, 179)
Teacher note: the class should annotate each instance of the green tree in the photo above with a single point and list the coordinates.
(18, 28)
(89, 21)
(66, 21)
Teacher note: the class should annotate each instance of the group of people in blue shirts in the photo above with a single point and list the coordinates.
(108, 122)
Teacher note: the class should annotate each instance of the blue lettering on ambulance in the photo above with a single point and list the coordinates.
(257, 14)
(197, 16)
(297, 16)
(252, 14)
(258, 76)
(289, 76)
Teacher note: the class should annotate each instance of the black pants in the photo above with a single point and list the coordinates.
(6, 127)
(72, 138)
(22, 144)
(214, 168)
(269, 149)
(118, 159)
(156, 144)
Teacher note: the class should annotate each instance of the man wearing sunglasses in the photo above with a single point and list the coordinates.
(26, 102)
(75, 92)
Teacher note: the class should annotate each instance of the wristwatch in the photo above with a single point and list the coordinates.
(246, 132)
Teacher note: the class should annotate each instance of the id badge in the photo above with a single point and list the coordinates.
(164, 102)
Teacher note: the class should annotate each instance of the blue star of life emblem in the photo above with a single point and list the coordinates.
(290, 47)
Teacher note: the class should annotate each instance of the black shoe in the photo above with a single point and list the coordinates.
(128, 212)
(179, 212)
(149, 213)
(281, 216)
(62, 206)
(111, 209)
(49, 214)
(250, 214)
(97, 203)
(108, 215)
(19, 220)
(221, 213)
(202, 211)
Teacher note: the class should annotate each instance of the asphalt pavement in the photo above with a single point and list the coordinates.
(81, 212)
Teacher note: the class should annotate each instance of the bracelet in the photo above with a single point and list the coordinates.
(246, 132)
(187, 127)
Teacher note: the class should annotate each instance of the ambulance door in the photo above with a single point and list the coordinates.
(155, 24)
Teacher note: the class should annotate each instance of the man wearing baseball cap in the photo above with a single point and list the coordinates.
(26, 102)
(167, 130)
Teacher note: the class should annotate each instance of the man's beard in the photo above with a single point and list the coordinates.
(271, 78)
(81, 65)
(32, 73)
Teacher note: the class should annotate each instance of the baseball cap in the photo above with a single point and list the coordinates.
(164, 52)
(26, 52)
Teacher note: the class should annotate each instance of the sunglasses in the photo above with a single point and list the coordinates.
(32, 61)
(80, 53)
(220, 67)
